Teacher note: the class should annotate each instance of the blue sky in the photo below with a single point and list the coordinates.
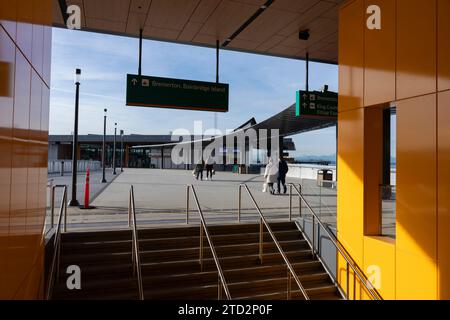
(260, 86)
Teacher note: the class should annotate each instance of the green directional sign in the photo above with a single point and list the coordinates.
(317, 104)
(156, 92)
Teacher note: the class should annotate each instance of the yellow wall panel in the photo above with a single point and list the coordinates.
(416, 277)
(416, 176)
(350, 222)
(379, 253)
(351, 58)
(443, 45)
(444, 192)
(416, 48)
(379, 56)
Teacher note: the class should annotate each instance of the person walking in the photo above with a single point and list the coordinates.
(199, 169)
(282, 172)
(271, 174)
(210, 167)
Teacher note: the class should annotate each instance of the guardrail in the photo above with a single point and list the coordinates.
(55, 264)
(135, 254)
(350, 263)
(65, 166)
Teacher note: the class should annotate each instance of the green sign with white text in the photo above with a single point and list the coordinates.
(317, 104)
(157, 92)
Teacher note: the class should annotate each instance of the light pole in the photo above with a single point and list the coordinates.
(104, 147)
(74, 202)
(121, 150)
(114, 149)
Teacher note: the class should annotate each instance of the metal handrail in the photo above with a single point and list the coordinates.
(135, 255)
(57, 243)
(52, 207)
(204, 232)
(347, 257)
(263, 222)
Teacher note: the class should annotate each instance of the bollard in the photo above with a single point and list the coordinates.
(62, 168)
(86, 190)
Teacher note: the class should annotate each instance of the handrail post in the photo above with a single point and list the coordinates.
(348, 281)
(219, 288)
(300, 200)
(289, 285)
(129, 209)
(65, 213)
(52, 210)
(313, 236)
(290, 202)
(201, 246)
(187, 203)
(204, 233)
(261, 239)
(239, 203)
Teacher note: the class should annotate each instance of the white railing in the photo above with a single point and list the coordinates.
(55, 166)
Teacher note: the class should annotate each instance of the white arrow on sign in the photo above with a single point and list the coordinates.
(134, 81)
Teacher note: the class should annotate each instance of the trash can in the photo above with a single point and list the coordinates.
(324, 176)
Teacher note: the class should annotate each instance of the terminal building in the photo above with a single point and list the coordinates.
(394, 69)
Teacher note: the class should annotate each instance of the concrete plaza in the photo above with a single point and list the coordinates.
(160, 197)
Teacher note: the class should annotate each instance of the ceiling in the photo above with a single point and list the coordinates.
(270, 31)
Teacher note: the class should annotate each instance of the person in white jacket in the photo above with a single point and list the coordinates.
(271, 174)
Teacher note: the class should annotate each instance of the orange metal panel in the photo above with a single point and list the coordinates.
(379, 56)
(37, 51)
(47, 55)
(351, 56)
(444, 192)
(373, 164)
(17, 253)
(443, 45)
(7, 66)
(8, 16)
(24, 34)
(34, 151)
(416, 176)
(416, 48)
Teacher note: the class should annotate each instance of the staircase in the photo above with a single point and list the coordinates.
(171, 269)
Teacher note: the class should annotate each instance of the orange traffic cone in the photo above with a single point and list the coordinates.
(86, 190)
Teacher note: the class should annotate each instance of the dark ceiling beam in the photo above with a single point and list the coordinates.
(63, 8)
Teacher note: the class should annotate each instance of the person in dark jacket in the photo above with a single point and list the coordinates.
(282, 171)
(198, 172)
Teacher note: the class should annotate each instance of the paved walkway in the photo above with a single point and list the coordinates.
(160, 197)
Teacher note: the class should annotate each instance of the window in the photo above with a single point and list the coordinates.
(388, 188)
